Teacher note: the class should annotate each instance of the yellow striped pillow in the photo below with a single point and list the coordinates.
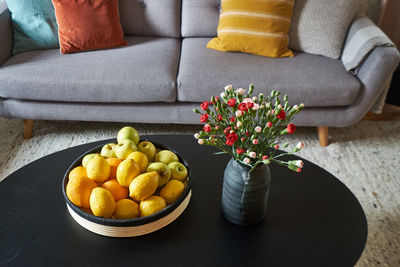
(254, 26)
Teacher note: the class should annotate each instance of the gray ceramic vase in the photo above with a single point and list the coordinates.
(244, 194)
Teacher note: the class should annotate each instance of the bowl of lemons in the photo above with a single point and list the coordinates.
(130, 187)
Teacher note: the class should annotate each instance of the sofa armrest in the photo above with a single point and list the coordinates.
(363, 36)
(375, 75)
(6, 37)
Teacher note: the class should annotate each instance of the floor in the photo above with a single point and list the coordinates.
(365, 157)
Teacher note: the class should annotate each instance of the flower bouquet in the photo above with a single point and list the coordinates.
(246, 127)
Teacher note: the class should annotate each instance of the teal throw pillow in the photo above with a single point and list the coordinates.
(34, 25)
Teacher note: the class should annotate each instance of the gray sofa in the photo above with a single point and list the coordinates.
(166, 71)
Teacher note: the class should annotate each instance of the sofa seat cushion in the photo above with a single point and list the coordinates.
(144, 71)
(309, 79)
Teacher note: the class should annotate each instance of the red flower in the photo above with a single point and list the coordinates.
(247, 133)
(232, 102)
(204, 118)
(232, 119)
(276, 146)
(242, 139)
(231, 138)
(216, 99)
(265, 157)
(291, 128)
(250, 105)
(281, 115)
(269, 124)
(243, 107)
(207, 128)
(299, 170)
(227, 130)
(219, 117)
(240, 150)
(204, 105)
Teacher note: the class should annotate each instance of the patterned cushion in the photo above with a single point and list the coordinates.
(320, 26)
(253, 26)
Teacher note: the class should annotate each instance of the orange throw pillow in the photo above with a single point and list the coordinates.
(88, 25)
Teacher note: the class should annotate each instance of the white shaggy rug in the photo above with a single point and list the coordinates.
(365, 157)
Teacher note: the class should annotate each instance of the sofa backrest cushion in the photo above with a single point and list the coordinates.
(320, 26)
(200, 18)
(151, 17)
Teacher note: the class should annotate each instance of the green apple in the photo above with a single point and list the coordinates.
(147, 148)
(178, 171)
(87, 158)
(164, 173)
(108, 151)
(128, 133)
(123, 150)
(166, 156)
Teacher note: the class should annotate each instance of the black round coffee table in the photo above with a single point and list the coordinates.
(312, 220)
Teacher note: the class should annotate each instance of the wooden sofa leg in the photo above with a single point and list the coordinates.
(28, 127)
(323, 135)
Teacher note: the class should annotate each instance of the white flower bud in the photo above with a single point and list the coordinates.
(197, 135)
(296, 107)
(246, 160)
(262, 106)
(254, 98)
(258, 129)
(256, 107)
(302, 105)
(268, 105)
(239, 123)
(279, 106)
(200, 141)
(299, 163)
(238, 113)
(228, 87)
(223, 95)
(300, 145)
(252, 155)
(240, 91)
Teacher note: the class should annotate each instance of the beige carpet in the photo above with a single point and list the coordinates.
(366, 157)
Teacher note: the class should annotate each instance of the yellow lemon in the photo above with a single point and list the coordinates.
(127, 170)
(140, 158)
(102, 202)
(78, 190)
(172, 190)
(143, 186)
(151, 205)
(98, 169)
(126, 209)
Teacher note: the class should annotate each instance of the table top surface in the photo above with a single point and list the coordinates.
(312, 220)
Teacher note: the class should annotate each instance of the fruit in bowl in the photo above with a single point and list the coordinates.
(131, 184)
